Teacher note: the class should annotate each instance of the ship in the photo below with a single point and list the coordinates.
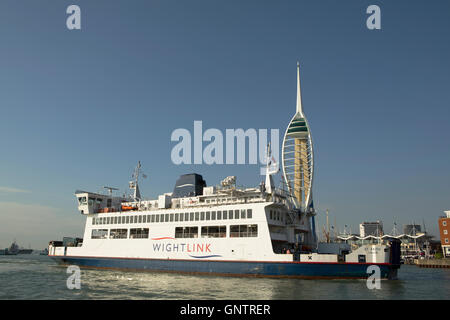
(223, 229)
(13, 249)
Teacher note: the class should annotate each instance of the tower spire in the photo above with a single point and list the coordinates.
(299, 93)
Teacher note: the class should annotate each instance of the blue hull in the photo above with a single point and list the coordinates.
(234, 268)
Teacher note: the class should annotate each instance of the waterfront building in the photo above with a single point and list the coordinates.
(444, 232)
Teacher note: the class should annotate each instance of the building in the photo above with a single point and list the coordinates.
(444, 232)
(371, 229)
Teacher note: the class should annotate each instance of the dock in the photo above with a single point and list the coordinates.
(432, 263)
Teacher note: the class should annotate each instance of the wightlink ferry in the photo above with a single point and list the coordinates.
(223, 229)
(220, 230)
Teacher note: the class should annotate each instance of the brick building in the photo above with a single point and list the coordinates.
(444, 232)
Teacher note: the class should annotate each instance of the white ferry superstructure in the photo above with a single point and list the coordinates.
(214, 230)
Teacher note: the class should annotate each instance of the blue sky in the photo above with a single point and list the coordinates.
(80, 108)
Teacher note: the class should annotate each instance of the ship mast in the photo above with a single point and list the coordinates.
(134, 184)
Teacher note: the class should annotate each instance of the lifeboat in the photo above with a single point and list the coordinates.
(128, 208)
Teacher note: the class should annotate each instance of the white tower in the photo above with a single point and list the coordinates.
(297, 157)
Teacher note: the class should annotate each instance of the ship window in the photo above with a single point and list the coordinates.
(186, 232)
(139, 233)
(176, 216)
(99, 234)
(152, 218)
(135, 219)
(213, 215)
(202, 215)
(219, 215)
(144, 219)
(81, 201)
(140, 219)
(108, 203)
(118, 233)
(243, 214)
(244, 231)
(166, 217)
(161, 218)
(236, 214)
(196, 216)
(127, 219)
(249, 213)
(123, 219)
(171, 217)
(208, 215)
(444, 223)
(181, 216)
(157, 218)
(91, 201)
(214, 232)
(93, 221)
(119, 220)
(234, 231)
(116, 219)
(191, 216)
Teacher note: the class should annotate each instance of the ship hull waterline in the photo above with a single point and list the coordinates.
(301, 270)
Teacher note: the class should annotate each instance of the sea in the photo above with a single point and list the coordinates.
(32, 276)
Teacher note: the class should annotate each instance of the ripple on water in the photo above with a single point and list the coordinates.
(39, 277)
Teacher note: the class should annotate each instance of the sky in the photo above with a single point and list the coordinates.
(79, 108)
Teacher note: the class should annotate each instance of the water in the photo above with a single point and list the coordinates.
(38, 277)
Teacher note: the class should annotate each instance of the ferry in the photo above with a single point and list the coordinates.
(217, 230)
(223, 229)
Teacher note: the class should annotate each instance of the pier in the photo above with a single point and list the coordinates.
(432, 263)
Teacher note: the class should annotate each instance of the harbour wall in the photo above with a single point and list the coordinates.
(432, 263)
